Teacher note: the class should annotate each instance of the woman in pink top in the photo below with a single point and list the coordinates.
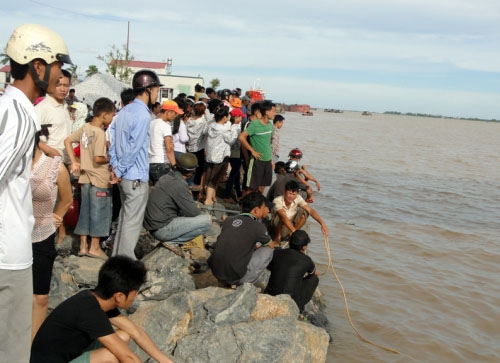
(48, 178)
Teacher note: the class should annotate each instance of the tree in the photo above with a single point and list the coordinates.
(4, 58)
(91, 70)
(74, 76)
(215, 83)
(117, 62)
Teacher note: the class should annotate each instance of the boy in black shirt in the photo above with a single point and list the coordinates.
(293, 272)
(244, 248)
(80, 329)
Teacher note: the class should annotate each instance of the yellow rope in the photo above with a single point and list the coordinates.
(330, 266)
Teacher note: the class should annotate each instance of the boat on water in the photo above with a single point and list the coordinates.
(333, 110)
(308, 113)
(366, 113)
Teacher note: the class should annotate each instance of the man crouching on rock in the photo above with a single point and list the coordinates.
(81, 330)
(171, 213)
(244, 248)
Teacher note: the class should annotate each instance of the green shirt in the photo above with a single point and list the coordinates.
(260, 138)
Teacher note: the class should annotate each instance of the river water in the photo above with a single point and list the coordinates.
(413, 208)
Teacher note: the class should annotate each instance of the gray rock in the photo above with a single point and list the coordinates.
(62, 285)
(233, 308)
(84, 270)
(165, 321)
(66, 247)
(167, 274)
(218, 346)
(145, 244)
(280, 340)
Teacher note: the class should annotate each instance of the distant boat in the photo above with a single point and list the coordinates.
(366, 113)
(333, 110)
(308, 113)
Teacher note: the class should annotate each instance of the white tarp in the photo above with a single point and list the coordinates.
(97, 86)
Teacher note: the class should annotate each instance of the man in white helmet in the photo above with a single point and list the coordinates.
(36, 56)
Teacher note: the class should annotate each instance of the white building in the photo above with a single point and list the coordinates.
(173, 85)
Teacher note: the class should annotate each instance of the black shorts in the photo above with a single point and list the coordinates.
(214, 173)
(260, 174)
(44, 254)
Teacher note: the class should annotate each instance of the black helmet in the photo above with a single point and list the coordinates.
(224, 95)
(291, 166)
(145, 79)
(295, 153)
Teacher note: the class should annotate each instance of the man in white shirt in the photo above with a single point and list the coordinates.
(53, 111)
(36, 56)
(290, 212)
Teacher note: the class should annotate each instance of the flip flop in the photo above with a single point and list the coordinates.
(101, 256)
(81, 254)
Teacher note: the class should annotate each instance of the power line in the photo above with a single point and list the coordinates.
(75, 12)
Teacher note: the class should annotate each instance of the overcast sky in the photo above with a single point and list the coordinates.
(430, 56)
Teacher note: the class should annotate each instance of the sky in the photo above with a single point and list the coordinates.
(427, 56)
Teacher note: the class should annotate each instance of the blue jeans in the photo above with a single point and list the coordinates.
(95, 211)
(183, 229)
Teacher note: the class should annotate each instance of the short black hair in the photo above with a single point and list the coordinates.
(266, 106)
(72, 90)
(299, 239)
(102, 105)
(65, 73)
(120, 274)
(181, 95)
(210, 90)
(18, 71)
(255, 107)
(278, 118)
(197, 87)
(251, 201)
(279, 166)
(127, 96)
(292, 186)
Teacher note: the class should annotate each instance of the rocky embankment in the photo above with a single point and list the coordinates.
(189, 317)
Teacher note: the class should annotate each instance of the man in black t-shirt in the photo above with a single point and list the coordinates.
(293, 272)
(244, 248)
(80, 330)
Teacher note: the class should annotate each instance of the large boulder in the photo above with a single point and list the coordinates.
(234, 308)
(275, 340)
(270, 307)
(167, 274)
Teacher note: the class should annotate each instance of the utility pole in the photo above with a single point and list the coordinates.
(128, 39)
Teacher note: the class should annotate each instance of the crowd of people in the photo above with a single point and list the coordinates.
(145, 165)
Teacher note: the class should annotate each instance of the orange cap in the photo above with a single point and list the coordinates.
(171, 106)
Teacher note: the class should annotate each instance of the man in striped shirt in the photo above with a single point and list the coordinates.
(36, 56)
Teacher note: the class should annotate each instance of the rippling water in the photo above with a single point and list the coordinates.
(413, 207)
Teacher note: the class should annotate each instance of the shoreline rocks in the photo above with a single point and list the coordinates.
(189, 317)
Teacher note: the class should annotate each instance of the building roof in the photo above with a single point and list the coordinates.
(5, 69)
(144, 64)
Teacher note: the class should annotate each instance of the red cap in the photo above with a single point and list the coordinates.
(237, 112)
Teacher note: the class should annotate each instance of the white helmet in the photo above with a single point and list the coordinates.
(32, 41)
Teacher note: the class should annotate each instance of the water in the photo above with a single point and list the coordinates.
(413, 207)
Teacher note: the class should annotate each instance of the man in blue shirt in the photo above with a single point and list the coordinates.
(130, 162)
